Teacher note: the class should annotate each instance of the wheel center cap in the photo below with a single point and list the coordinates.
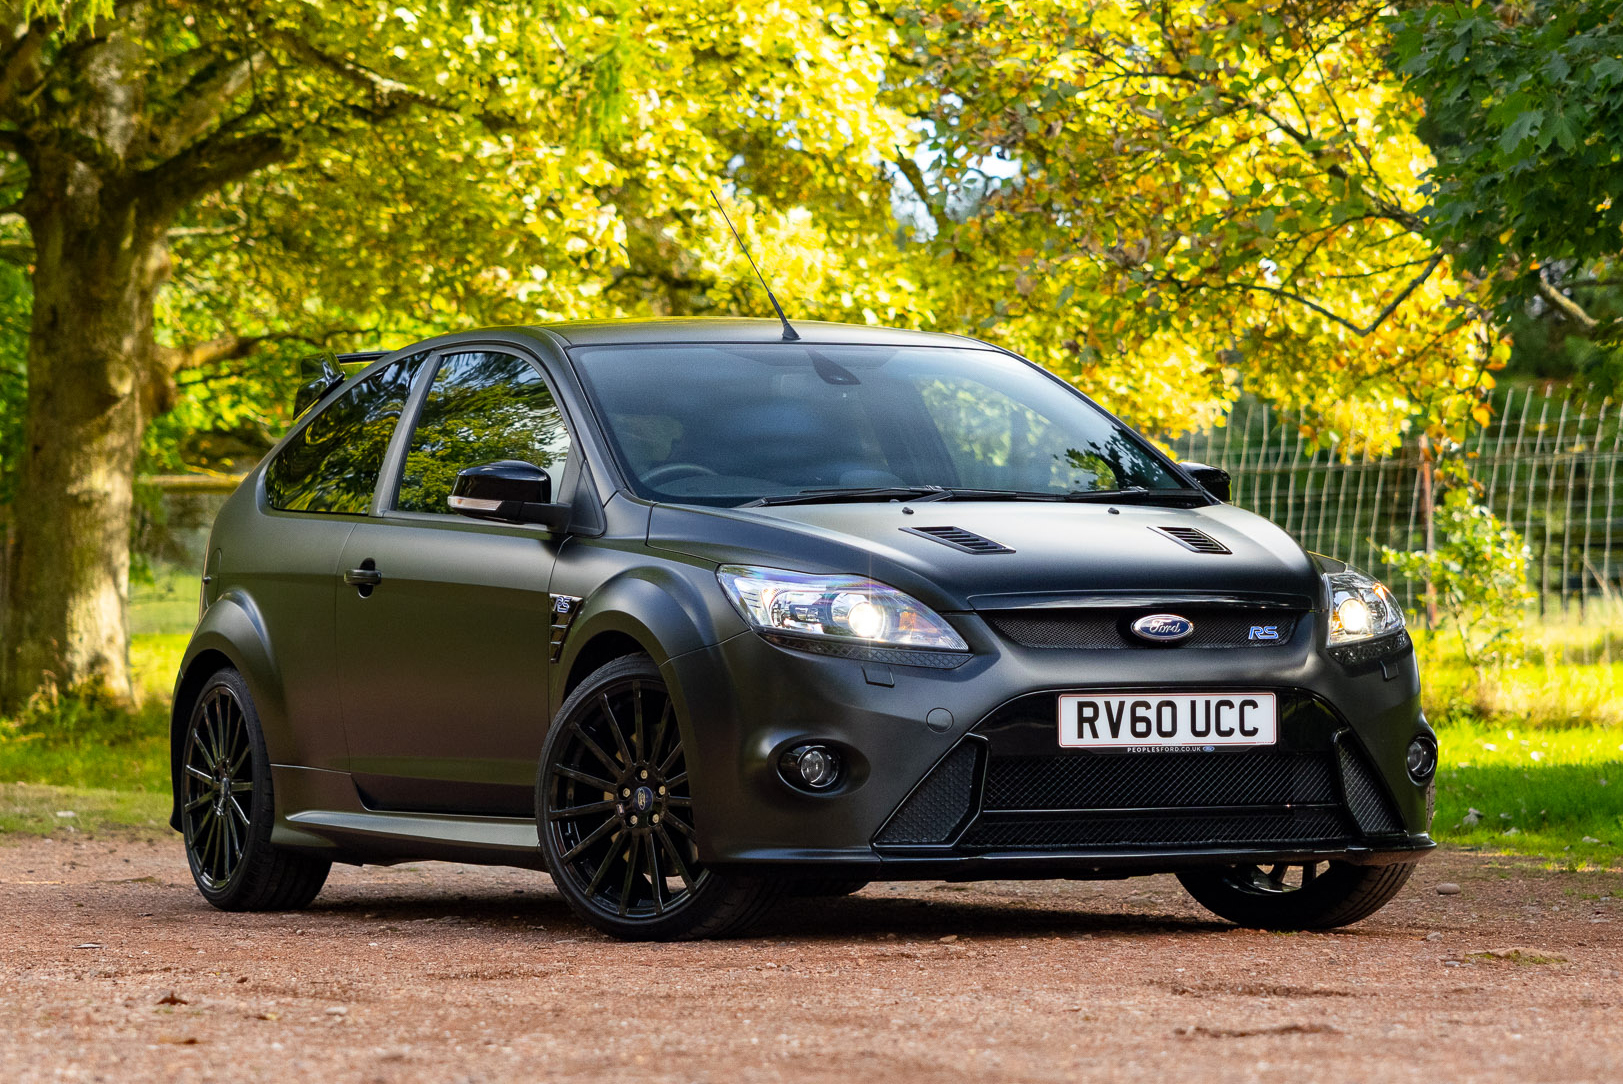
(642, 799)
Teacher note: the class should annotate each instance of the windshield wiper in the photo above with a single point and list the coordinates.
(1134, 495)
(836, 494)
(918, 494)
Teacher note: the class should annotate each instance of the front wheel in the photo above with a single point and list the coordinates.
(1297, 896)
(226, 808)
(616, 820)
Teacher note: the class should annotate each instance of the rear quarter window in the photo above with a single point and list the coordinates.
(332, 464)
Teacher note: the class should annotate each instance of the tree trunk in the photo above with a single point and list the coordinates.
(90, 383)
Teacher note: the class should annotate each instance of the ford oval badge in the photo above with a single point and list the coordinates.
(1163, 628)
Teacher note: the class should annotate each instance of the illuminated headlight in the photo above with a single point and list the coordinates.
(1361, 608)
(835, 609)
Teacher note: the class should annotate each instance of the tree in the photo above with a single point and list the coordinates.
(1168, 201)
(197, 179)
(1524, 112)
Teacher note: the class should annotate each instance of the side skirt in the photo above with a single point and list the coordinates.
(328, 817)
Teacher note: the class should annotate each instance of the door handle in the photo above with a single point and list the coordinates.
(363, 577)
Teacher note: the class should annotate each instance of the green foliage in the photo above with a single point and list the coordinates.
(1478, 569)
(1524, 112)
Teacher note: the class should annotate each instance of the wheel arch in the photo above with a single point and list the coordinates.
(229, 635)
(650, 610)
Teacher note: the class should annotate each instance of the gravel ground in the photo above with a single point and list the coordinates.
(112, 968)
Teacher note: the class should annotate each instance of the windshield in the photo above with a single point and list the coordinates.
(725, 424)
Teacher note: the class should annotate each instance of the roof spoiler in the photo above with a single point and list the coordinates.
(320, 374)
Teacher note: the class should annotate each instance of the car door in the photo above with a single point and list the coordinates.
(317, 487)
(443, 622)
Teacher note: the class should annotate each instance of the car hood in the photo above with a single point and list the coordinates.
(1062, 553)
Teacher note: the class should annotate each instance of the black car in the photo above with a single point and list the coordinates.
(690, 615)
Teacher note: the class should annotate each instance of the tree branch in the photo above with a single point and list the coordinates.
(204, 98)
(1566, 306)
(175, 359)
(212, 163)
(390, 97)
(1369, 329)
(915, 177)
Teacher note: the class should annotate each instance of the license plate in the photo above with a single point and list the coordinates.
(1147, 721)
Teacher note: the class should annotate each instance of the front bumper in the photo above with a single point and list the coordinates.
(934, 785)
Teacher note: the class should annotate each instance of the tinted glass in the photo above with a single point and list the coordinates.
(332, 464)
(482, 407)
(722, 424)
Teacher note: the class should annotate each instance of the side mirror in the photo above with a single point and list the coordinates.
(510, 491)
(1214, 480)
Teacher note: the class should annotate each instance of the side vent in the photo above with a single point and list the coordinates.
(960, 539)
(1193, 538)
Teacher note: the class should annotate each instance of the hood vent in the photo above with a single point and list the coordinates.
(1193, 538)
(960, 539)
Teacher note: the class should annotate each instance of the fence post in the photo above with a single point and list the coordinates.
(1427, 506)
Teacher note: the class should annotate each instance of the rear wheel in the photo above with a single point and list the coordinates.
(1299, 896)
(615, 815)
(226, 808)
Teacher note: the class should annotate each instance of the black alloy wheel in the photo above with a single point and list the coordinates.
(218, 788)
(227, 808)
(615, 815)
(1296, 895)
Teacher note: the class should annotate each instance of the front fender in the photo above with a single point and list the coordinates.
(668, 610)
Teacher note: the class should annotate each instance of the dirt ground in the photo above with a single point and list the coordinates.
(112, 968)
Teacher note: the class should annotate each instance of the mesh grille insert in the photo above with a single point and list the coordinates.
(1365, 797)
(1082, 629)
(1193, 538)
(1151, 780)
(960, 539)
(933, 812)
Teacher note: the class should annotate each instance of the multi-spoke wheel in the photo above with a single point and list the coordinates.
(615, 815)
(1296, 895)
(226, 808)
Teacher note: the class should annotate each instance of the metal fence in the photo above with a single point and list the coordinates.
(1548, 464)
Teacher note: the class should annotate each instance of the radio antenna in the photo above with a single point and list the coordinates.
(789, 334)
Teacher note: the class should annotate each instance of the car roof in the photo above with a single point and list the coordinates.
(706, 329)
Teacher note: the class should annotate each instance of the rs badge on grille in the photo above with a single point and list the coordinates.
(1163, 628)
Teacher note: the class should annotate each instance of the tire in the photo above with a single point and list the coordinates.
(1322, 896)
(826, 887)
(223, 761)
(614, 814)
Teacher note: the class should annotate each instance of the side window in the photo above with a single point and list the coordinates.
(332, 464)
(482, 407)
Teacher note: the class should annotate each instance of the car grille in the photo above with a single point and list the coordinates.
(1081, 629)
(1148, 781)
(997, 792)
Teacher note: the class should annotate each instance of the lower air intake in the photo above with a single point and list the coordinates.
(934, 812)
(1371, 808)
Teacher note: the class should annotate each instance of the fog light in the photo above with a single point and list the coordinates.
(814, 767)
(1422, 759)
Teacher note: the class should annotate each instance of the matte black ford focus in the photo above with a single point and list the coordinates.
(691, 616)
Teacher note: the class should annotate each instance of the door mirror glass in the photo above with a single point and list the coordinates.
(1214, 480)
(511, 491)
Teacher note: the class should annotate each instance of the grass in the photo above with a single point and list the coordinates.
(31, 809)
(1557, 793)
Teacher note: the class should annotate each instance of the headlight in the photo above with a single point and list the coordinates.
(1361, 608)
(835, 609)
